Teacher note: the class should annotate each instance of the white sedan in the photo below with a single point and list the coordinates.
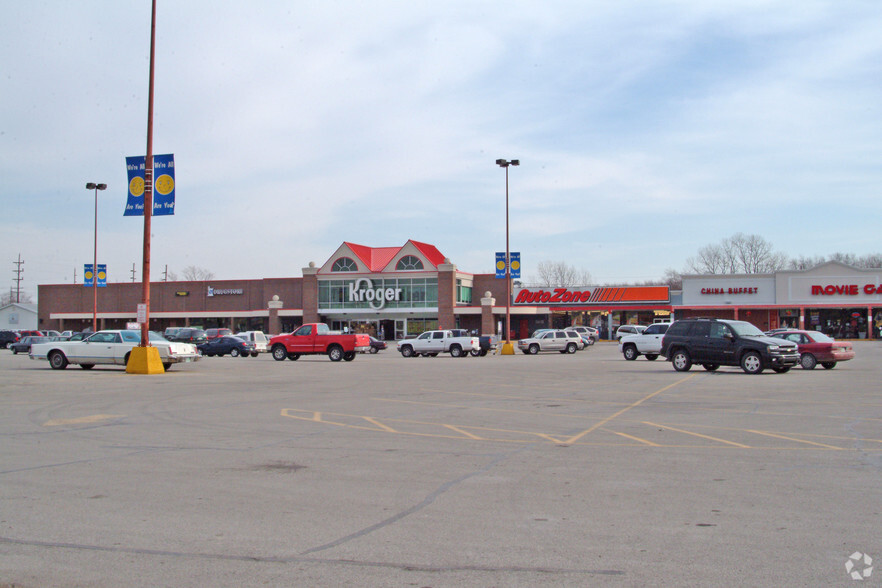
(110, 348)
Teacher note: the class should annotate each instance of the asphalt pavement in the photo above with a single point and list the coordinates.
(552, 470)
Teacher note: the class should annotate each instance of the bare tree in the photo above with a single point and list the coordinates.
(560, 274)
(738, 254)
(9, 298)
(191, 273)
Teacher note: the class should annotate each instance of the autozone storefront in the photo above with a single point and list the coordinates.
(837, 299)
(604, 308)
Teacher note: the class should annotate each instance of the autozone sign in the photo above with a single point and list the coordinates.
(603, 295)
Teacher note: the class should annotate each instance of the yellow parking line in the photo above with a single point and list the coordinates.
(575, 438)
(374, 421)
(82, 420)
(466, 433)
(698, 435)
(793, 439)
(644, 441)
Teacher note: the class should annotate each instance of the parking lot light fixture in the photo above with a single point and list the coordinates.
(507, 347)
(95, 187)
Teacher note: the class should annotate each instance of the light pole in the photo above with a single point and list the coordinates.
(507, 348)
(96, 187)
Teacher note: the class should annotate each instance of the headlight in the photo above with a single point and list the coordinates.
(774, 347)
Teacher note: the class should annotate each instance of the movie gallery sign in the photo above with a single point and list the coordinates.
(845, 289)
(604, 295)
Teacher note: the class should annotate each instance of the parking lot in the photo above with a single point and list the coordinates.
(566, 470)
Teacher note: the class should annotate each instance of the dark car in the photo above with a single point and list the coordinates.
(24, 346)
(189, 335)
(227, 344)
(215, 333)
(7, 338)
(377, 345)
(715, 342)
(817, 348)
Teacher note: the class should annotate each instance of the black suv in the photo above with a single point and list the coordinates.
(7, 338)
(716, 342)
(189, 335)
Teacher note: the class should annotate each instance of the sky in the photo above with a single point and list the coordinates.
(645, 130)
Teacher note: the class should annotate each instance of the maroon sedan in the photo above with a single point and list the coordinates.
(817, 348)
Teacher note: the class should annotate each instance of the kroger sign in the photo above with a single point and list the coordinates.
(362, 290)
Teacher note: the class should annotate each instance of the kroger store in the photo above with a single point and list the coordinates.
(396, 292)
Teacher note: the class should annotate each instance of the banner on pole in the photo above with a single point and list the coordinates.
(89, 275)
(163, 185)
(514, 262)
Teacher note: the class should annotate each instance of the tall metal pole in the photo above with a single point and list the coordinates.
(148, 190)
(507, 267)
(95, 270)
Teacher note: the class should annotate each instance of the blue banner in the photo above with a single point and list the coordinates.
(89, 275)
(515, 262)
(515, 265)
(163, 185)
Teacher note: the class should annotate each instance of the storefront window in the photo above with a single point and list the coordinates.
(463, 293)
(839, 323)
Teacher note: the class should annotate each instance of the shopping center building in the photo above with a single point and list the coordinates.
(390, 292)
(838, 299)
(398, 292)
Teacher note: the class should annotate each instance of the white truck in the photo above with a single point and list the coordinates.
(431, 343)
(647, 343)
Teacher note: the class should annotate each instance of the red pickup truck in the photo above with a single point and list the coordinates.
(318, 339)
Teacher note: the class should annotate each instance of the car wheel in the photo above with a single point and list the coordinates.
(475, 353)
(456, 351)
(349, 356)
(234, 352)
(87, 366)
(808, 361)
(255, 354)
(681, 360)
(279, 352)
(57, 360)
(630, 352)
(407, 351)
(829, 365)
(751, 362)
(293, 356)
(782, 370)
(651, 356)
(14, 351)
(571, 348)
(166, 366)
(711, 367)
(374, 350)
(335, 353)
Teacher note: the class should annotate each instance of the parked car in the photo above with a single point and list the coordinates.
(551, 340)
(189, 335)
(318, 339)
(23, 334)
(625, 330)
(257, 338)
(487, 343)
(593, 333)
(171, 332)
(817, 348)
(715, 342)
(377, 345)
(24, 345)
(110, 347)
(227, 344)
(7, 338)
(215, 333)
(647, 343)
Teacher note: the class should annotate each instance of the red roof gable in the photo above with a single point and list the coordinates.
(377, 258)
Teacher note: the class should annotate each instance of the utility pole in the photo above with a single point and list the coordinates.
(18, 272)
(133, 271)
(75, 274)
(165, 274)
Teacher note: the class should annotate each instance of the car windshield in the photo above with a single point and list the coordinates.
(154, 336)
(745, 329)
(820, 337)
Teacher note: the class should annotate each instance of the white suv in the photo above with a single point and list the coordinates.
(647, 343)
(625, 330)
(563, 340)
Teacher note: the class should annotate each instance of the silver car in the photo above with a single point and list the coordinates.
(564, 341)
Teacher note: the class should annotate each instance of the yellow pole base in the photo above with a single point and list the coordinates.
(507, 348)
(144, 360)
